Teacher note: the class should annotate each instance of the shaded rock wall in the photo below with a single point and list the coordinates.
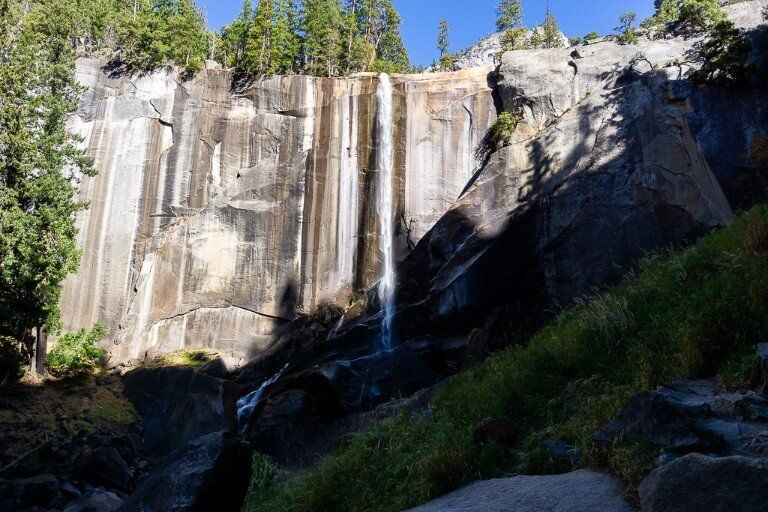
(219, 212)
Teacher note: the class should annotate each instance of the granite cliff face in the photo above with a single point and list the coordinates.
(226, 208)
(222, 210)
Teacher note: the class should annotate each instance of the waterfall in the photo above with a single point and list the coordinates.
(384, 157)
(247, 404)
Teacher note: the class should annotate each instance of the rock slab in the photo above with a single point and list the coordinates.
(580, 491)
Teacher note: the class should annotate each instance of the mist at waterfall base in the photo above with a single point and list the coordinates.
(384, 165)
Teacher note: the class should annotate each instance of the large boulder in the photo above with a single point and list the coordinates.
(177, 405)
(97, 501)
(580, 491)
(210, 473)
(104, 466)
(697, 483)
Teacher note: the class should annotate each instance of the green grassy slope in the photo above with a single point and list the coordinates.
(697, 313)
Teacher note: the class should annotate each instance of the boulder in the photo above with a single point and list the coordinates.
(697, 483)
(692, 416)
(580, 491)
(653, 418)
(35, 490)
(209, 473)
(104, 466)
(97, 501)
(178, 404)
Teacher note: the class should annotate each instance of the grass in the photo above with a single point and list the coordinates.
(192, 358)
(692, 314)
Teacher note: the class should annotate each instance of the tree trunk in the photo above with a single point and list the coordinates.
(40, 351)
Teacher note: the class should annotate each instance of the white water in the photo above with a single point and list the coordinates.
(247, 404)
(384, 157)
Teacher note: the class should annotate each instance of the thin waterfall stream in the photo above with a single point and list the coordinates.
(384, 165)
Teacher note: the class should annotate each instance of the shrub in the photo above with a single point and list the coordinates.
(692, 314)
(504, 127)
(693, 15)
(592, 36)
(76, 354)
(724, 58)
(12, 361)
(627, 32)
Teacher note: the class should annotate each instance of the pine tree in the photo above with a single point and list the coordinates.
(443, 38)
(234, 37)
(509, 20)
(552, 37)
(258, 48)
(322, 37)
(626, 28)
(40, 164)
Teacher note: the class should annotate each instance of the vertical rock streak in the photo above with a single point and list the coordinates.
(384, 157)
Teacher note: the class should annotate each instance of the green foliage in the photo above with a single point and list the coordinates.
(692, 314)
(12, 361)
(550, 31)
(509, 20)
(694, 15)
(592, 36)
(724, 57)
(40, 164)
(317, 37)
(504, 127)
(627, 31)
(162, 32)
(76, 354)
(264, 475)
(443, 38)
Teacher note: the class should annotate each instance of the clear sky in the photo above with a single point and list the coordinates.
(471, 19)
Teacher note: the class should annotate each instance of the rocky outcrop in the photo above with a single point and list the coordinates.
(209, 473)
(697, 483)
(580, 491)
(223, 208)
(178, 405)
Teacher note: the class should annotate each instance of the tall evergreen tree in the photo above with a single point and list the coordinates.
(40, 164)
(509, 20)
(234, 37)
(551, 34)
(322, 37)
(443, 38)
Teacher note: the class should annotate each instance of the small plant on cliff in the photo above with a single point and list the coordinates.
(504, 127)
(724, 57)
(76, 354)
(627, 31)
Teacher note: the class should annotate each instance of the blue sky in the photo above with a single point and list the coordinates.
(471, 19)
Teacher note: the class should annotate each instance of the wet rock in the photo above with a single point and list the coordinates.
(495, 430)
(104, 466)
(580, 491)
(209, 473)
(282, 418)
(98, 501)
(697, 483)
(177, 405)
